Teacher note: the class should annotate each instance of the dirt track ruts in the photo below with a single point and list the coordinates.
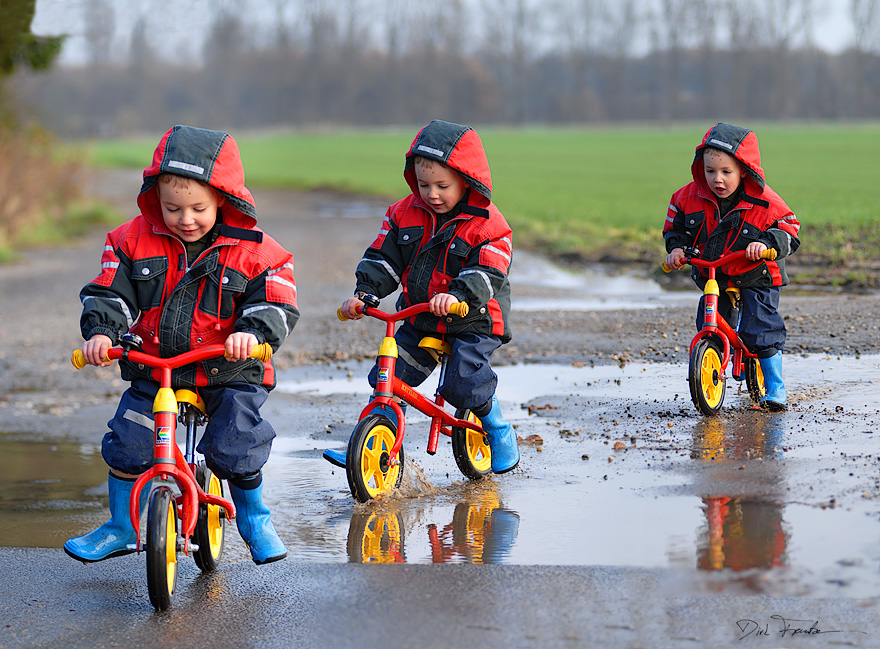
(40, 312)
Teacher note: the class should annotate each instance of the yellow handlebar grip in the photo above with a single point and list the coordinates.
(262, 352)
(664, 267)
(78, 359)
(461, 309)
(339, 314)
(770, 254)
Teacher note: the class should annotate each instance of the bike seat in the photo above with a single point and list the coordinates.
(188, 396)
(435, 346)
(734, 294)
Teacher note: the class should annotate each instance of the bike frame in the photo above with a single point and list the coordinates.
(168, 461)
(714, 326)
(389, 386)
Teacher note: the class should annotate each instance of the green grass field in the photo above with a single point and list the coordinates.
(587, 193)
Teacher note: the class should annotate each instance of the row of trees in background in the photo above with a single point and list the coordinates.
(267, 64)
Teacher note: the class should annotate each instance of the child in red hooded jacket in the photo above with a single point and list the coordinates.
(446, 242)
(727, 208)
(192, 270)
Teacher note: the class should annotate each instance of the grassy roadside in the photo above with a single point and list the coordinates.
(589, 195)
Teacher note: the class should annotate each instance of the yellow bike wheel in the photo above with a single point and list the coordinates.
(368, 461)
(211, 524)
(755, 379)
(706, 380)
(470, 448)
(375, 538)
(161, 548)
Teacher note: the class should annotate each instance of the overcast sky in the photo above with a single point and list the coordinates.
(183, 32)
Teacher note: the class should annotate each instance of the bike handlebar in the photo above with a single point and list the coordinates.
(459, 308)
(262, 352)
(769, 253)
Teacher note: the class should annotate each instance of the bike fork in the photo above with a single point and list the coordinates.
(436, 423)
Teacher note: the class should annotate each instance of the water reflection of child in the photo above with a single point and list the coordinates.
(728, 207)
(742, 531)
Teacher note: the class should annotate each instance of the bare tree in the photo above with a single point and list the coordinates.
(865, 15)
(100, 21)
(680, 29)
(621, 25)
(579, 25)
(512, 31)
(785, 22)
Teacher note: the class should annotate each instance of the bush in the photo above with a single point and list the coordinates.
(38, 186)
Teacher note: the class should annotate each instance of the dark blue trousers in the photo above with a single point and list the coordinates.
(236, 441)
(761, 328)
(470, 381)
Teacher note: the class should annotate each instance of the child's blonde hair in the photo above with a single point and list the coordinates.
(422, 161)
(179, 181)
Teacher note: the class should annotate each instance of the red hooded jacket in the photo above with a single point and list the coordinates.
(243, 281)
(694, 220)
(469, 256)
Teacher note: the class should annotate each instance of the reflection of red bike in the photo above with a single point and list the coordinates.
(192, 517)
(717, 342)
(374, 460)
(481, 531)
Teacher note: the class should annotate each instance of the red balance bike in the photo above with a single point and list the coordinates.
(374, 461)
(717, 343)
(186, 511)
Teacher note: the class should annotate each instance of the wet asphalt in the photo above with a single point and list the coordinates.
(49, 603)
(632, 521)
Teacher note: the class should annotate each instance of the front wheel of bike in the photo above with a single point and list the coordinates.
(706, 378)
(161, 548)
(376, 537)
(368, 461)
(470, 448)
(211, 523)
(755, 379)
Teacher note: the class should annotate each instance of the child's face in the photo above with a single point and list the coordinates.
(189, 209)
(723, 172)
(439, 186)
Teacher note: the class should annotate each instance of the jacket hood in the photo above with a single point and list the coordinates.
(458, 147)
(209, 156)
(739, 142)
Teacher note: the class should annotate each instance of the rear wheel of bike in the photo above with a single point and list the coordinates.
(705, 377)
(470, 448)
(161, 548)
(211, 524)
(755, 379)
(368, 460)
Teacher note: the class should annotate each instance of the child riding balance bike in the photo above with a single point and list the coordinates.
(442, 244)
(186, 510)
(374, 458)
(717, 344)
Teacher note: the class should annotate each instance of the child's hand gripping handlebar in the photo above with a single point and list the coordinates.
(262, 352)
(769, 254)
(460, 309)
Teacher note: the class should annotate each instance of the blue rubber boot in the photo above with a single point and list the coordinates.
(337, 458)
(500, 535)
(501, 438)
(113, 537)
(775, 397)
(255, 526)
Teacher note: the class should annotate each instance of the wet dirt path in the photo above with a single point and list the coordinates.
(618, 469)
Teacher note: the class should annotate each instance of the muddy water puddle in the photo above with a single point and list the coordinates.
(46, 489)
(617, 469)
(542, 285)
